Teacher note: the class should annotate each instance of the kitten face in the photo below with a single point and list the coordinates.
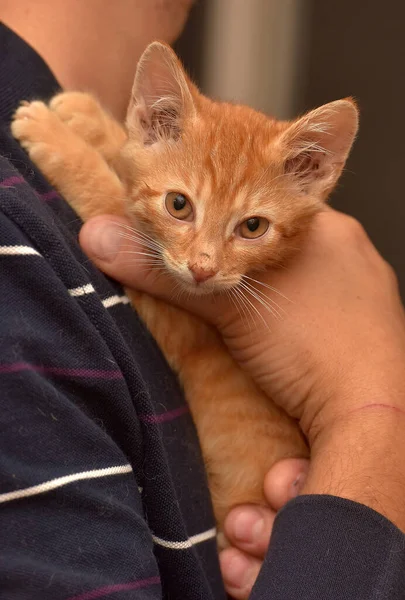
(218, 201)
(210, 251)
(223, 190)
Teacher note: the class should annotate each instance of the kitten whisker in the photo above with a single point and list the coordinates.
(180, 290)
(269, 287)
(248, 303)
(145, 248)
(241, 298)
(137, 237)
(137, 232)
(228, 294)
(149, 251)
(151, 254)
(236, 295)
(267, 306)
(279, 310)
(261, 295)
(142, 263)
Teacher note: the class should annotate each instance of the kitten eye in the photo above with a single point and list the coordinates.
(179, 206)
(253, 228)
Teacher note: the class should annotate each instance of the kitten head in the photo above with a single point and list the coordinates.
(222, 189)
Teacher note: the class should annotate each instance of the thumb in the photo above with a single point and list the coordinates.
(116, 248)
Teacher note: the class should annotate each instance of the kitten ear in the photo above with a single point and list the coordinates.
(161, 96)
(317, 145)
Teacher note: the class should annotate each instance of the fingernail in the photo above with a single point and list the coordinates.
(298, 484)
(248, 525)
(235, 570)
(103, 241)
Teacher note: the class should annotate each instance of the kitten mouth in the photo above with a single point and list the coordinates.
(186, 282)
(199, 289)
(206, 287)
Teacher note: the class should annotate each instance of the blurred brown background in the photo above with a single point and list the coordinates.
(286, 56)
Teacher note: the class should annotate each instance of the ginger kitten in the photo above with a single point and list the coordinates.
(216, 192)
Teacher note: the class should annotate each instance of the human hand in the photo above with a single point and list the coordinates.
(248, 528)
(340, 343)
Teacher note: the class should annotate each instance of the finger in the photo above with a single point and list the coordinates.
(249, 527)
(239, 572)
(285, 480)
(105, 241)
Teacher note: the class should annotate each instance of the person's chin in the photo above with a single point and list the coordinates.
(177, 15)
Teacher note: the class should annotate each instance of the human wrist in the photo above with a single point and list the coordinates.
(362, 458)
(346, 394)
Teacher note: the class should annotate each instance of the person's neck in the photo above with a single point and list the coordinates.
(85, 50)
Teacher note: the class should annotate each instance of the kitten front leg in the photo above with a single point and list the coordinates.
(84, 115)
(75, 168)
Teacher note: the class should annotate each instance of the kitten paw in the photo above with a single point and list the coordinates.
(39, 131)
(86, 118)
(82, 114)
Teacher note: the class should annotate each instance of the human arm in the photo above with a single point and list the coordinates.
(339, 349)
(332, 361)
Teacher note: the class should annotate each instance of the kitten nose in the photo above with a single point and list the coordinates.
(200, 274)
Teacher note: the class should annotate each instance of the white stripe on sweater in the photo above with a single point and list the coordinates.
(113, 300)
(74, 292)
(82, 290)
(191, 541)
(47, 486)
(107, 302)
(18, 250)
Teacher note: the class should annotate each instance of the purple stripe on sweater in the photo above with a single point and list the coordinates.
(119, 587)
(13, 180)
(49, 195)
(91, 373)
(18, 180)
(163, 417)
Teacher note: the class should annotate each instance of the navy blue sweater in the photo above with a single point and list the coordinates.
(102, 489)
